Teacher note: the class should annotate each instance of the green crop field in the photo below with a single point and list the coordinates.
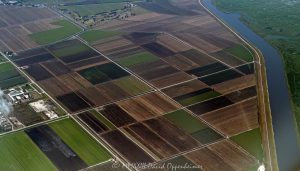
(250, 141)
(85, 146)
(193, 126)
(67, 29)
(199, 98)
(278, 22)
(71, 50)
(9, 76)
(102, 119)
(132, 86)
(136, 59)
(92, 9)
(95, 35)
(241, 52)
(18, 152)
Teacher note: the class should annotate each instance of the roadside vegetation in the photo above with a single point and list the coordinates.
(278, 22)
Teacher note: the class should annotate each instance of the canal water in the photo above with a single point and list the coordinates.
(287, 145)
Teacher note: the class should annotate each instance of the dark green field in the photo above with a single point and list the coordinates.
(9, 76)
(95, 35)
(67, 29)
(136, 59)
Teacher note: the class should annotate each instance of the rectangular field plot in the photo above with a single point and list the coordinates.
(198, 57)
(251, 142)
(197, 96)
(20, 153)
(117, 115)
(38, 72)
(128, 149)
(34, 59)
(231, 154)
(103, 73)
(56, 67)
(210, 105)
(241, 52)
(234, 119)
(97, 35)
(73, 102)
(220, 77)
(61, 155)
(72, 50)
(151, 140)
(171, 79)
(65, 30)
(136, 59)
(207, 69)
(158, 49)
(9, 76)
(80, 142)
(132, 85)
(193, 126)
(147, 106)
(172, 134)
(208, 160)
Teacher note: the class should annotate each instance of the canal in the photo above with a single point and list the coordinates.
(286, 141)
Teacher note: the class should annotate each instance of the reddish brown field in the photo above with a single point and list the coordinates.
(184, 88)
(234, 119)
(151, 140)
(208, 160)
(172, 134)
(235, 84)
(232, 155)
(147, 106)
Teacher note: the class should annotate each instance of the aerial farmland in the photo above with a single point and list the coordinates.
(149, 84)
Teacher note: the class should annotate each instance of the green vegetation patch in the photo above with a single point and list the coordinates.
(193, 126)
(250, 141)
(2, 58)
(85, 146)
(132, 85)
(241, 52)
(136, 59)
(18, 152)
(199, 98)
(67, 29)
(95, 35)
(76, 48)
(9, 76)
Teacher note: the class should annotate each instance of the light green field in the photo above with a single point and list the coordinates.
(18, 152)
(185, 121)
(78, 140)
(67, 29)
(95, 35)
(132, 86)
(199, 98)
(92, 9)
(136, 59)
(250, 141)
(241, 52)
(71, 50)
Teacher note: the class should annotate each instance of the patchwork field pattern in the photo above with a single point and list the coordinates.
(164, 87)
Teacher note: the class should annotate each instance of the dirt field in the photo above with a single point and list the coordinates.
(234, 119)
(147, 106)
(233, 156)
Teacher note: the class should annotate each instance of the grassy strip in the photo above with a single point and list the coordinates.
(85, 146)
(251, 141)
(132, 86)
(136, 59)
(45, 37)
(103, 120)
(199, 98)
(18, 152)
(94, 35)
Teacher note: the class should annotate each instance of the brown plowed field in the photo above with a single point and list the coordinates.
(124, 146)
(172, 134)
(208, 160)
(184, 88)
(172, 79)
(96, 97)
(149, 105)
(234, 119)
(235, 84)
(232, 155)
(151, 140)
(55, 87)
